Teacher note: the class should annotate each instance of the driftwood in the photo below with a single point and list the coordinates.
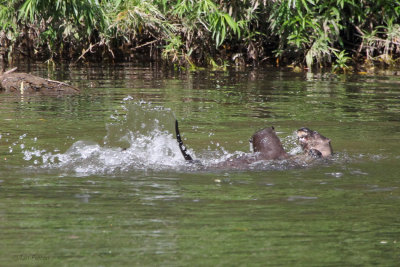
(24, 83)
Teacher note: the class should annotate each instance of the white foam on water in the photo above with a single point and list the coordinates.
(138, 139)
(141, 137)
(157, 151)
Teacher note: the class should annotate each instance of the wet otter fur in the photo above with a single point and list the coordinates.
(314, 143)
(267, 146)
(180, 143)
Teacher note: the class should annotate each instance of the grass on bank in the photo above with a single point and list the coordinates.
(308, 33)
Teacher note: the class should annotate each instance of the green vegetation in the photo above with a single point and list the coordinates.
(312, 33)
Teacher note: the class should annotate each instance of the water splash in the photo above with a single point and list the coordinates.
(138, 138)
(156, 151)
(141, 136)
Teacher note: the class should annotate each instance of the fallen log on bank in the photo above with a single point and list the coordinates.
(24, 83)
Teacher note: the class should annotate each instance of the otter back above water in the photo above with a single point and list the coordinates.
(267, 146)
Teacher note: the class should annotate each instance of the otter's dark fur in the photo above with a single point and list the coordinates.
(314, 143)
(267, 146)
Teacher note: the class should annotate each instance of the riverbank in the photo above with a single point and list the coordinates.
(339, 34)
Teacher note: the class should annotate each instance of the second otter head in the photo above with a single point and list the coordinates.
(313, 142)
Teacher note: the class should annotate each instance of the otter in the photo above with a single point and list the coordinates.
(314, 143)
(180, 143)
(267, 146)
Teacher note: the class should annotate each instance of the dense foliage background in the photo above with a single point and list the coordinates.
(312, 33)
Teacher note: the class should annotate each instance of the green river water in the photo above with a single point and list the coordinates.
(98, 179)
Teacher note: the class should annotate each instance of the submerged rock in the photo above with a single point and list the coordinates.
(24, 83)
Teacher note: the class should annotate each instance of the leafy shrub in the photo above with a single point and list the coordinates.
(304, 32)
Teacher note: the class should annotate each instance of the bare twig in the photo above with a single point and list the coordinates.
(87, 50)
(61, 83)
(9, 71)
(145, 44)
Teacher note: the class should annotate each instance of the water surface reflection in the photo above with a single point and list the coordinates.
(69, 194)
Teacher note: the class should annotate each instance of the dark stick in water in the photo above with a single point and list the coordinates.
(181, 145)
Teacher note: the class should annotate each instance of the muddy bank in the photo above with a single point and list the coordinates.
(25, 83)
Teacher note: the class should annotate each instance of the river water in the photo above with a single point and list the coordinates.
(98, 179)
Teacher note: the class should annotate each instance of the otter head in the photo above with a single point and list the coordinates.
(314, 143)
(268, 144)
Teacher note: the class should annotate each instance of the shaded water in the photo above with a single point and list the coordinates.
(98, 179)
